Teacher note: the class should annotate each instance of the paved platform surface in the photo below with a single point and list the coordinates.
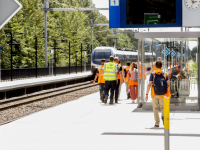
(38, 81)
(88, 124)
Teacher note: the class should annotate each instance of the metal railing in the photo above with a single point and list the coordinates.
(28, 73)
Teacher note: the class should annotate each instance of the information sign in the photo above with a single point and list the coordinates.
(152, 18)
(166, 51)
(178, 55)
(173, 53)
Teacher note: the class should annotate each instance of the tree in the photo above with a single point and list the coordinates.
(193, 52)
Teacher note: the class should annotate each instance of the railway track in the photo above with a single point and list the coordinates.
(13, 102)
(16, 108)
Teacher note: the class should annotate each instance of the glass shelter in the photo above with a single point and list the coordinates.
(179, 62)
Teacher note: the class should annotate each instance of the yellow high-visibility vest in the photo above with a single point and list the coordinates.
(109, 71)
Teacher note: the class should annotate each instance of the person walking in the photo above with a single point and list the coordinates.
(160, 87)
(121, 78)
(133, 81)
(101, 81)
(110, 74)
(153, 68)
(126, 79)
(116, 61)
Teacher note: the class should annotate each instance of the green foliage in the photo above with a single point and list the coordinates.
(193, 52)
(70, 25)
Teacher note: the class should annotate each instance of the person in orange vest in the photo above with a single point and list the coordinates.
(170, 72)
(126, 69)
(101, 81)
(177, 69)
(133, 81)
(160, 87)
(121, 78)
(153, 68)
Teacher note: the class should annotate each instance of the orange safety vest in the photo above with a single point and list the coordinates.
(153, 68)
(127, 69)
(177, 70)
(100, 79)
(168, 94)
(170, 72)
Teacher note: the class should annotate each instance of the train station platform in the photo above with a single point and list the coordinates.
(88, 124)
(19, 88)
(40, 81)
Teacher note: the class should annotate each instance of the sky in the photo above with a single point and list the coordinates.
(105, 4)
(102, 4)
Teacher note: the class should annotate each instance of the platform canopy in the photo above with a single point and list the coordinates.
(176, 36)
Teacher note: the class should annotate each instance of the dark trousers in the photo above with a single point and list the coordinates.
(110, 85)
(101, 89)
(117, 90)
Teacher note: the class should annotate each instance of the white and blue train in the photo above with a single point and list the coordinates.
(104, 52)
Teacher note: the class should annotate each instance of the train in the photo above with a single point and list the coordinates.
(104, 52)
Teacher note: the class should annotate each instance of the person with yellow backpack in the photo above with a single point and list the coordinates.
(160, 87)
(101, 81)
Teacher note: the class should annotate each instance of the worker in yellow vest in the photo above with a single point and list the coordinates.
(110, 74)
(101, 81)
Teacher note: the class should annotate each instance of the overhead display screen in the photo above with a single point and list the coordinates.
(150, 12)
(145, 13)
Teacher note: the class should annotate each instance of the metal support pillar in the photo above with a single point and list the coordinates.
(152, 54)
(143, 74)
(81, 56)
(11, 53)
(36, 41)
(170, 54)
(199, 72)
(140, 42)
(115, 38)
(181, 49)
(46, 5)
(55, 57)
(167, 122)
(164, 58)
(91, 21)
(76, 63)
(69, 57)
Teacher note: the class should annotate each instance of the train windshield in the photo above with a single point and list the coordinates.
(102, 54)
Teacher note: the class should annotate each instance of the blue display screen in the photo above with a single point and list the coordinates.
(145, 13)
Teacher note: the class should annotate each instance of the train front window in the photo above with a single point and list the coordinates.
(102, 54)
